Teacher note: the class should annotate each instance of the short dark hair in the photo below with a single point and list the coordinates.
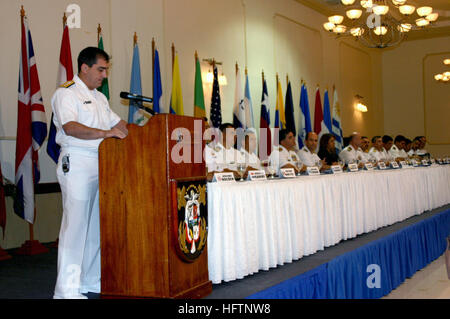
(375, 138)
(283, 133)
(386, 139)
(224, 126)
(399, 139)
(90, 55)
(307, 135)
(408, 141)
(364, 137)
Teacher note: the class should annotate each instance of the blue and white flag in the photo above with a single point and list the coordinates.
(157, 85)
(249, 123)
(135, 116)
(305, 118)
(336, 122)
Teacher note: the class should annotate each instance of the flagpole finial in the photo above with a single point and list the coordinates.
(287, 79)
(237, 67)
(135, 38)
(196, 55)
(99, 29)
(246, 73)
(262, 75)
(302, 81)
(64, 19)
(334, 88)
(22, 12)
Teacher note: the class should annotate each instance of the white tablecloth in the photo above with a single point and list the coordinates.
(259, 225)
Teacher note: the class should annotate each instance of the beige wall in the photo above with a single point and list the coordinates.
(275, 36)
(414, 103)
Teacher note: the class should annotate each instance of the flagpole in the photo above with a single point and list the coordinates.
(262, 77)
(99, 31)
(287, 79)
(153, 64)
(31, 246)
(173, 56)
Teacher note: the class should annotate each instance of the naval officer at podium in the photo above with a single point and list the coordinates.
(83, 118)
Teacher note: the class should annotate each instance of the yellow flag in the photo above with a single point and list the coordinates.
(280, 106)
(176, 101)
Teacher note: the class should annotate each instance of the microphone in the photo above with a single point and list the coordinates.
(136, 97)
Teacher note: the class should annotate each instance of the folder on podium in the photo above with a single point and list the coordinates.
(153, 211)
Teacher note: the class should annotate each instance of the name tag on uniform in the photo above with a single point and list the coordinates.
(368, 166)
(381, 165)
(336, 169)
(353, 167)
(287, 172)
(312, 170)
(223, 177)
(394, 164)
(256, 176)
(87, 102)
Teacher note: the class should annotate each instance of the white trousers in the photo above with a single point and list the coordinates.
(79, 236)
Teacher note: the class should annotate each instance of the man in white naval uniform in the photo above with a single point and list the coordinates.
(397, 151)
(377, 151)
(222, 156)
(353, 153)
(308, 156)
(83, 119)
(284, 155)
(248, 151)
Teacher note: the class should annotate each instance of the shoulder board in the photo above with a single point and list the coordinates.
(280, 149)
(349, 149)
(67, 84)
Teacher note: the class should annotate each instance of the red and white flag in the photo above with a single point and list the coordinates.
(65, 73)
(318, 113)
(31, 128)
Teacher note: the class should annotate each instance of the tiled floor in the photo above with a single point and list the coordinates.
(431, 282)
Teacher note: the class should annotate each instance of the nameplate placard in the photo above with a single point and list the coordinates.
(223, 177)
(381, 165)
(353, 167)
(256, 176)
(312, 170)
(287, 173)
(432, 161)
(336, 169)
(394, 164)
(403, 164)
(368, 166)
(414, 162)
(425, 163)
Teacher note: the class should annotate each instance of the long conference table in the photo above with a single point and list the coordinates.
(257, 225)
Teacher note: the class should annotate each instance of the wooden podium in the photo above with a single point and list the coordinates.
(142, 192)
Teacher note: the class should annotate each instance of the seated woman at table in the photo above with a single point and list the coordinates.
(327, 149)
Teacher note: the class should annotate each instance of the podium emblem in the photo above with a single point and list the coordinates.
(192, 224)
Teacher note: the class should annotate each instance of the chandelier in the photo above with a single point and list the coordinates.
(445, 76)
(375, 24)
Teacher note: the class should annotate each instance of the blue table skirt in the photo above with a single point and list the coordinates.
(393, 258)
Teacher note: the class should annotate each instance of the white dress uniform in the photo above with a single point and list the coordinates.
(218, 158)
(250, 159)
(349, 154)
(79, 237)
(378, 155)
(280, 156)
(307, 157)
(395, 152)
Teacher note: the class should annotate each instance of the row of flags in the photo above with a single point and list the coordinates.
(32, 126)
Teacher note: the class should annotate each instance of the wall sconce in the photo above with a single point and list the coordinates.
(445, 76)
(209, 78)
(360, 106)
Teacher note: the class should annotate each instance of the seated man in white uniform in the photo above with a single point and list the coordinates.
(353, 153)
(387, 144)
(83, 119)
(377, 151)
(397, 151)
(421, 151)
(248, 151)
(223, 157)
(365, 148)
(284, 156)
(307, 154)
